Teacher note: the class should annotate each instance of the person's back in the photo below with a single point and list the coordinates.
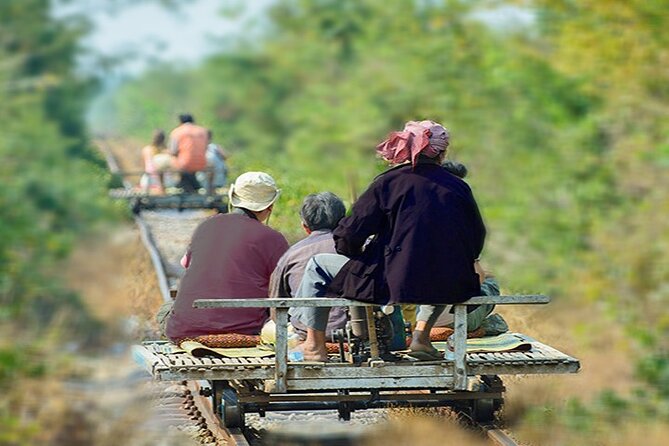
(428, 226)
(191, 142)
(148, 152)
(232, 256)
(320, 214)
(412, 237)
(216, 163)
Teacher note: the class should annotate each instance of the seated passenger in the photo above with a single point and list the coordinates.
(409, 310)
(489, 286)
(216, 163)
(320, 214)
(188, 145)
(475, 315)
(427, 232)
(230, 256)
(151, 180)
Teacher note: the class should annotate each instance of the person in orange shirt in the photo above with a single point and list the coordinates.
(188, 144)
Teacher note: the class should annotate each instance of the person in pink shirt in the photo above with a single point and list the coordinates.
(230, 256)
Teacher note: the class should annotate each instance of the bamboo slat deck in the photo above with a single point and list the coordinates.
(164, 364)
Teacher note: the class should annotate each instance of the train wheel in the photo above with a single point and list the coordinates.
(483, 410)
(493, 383)
(135, 206)
(232, 414)
(344, 407)
(344, 411)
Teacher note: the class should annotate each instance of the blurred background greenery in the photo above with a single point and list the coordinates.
(559, 109)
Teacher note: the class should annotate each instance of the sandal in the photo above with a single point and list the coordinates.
(421, 355)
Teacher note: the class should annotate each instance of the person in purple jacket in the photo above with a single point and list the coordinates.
(412, 238)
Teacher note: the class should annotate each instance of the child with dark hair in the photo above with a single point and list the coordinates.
(456, 168)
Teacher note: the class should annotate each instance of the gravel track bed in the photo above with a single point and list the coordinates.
(172, 231)
(322, 419)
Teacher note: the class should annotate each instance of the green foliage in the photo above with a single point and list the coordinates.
(51, 188)
(51, 191)
(19, 362)
(654, 371)
(562, 125)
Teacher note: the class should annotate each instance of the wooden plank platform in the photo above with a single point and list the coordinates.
(457, 373)
(164, 364)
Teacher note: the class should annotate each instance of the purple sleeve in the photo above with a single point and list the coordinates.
(276, 281)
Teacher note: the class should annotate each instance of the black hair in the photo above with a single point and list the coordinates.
(158, 138)
(457, 169)
(186, 117)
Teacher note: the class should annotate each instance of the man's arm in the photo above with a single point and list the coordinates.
(276, 282)
(365, 220)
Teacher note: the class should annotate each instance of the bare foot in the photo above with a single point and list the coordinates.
(418, 347)
(420, 344)
(313, 352)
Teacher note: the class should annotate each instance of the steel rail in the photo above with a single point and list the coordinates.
(497, 436)
(230, 437)
(145, 233)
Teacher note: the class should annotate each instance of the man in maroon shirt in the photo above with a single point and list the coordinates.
(230, 256)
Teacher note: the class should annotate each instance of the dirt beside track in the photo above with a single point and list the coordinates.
(172, 231)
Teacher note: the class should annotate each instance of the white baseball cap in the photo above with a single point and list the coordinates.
(255, 191)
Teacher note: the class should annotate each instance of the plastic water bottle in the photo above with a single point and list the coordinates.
(388, 309)
(295, 356)
(293, 338)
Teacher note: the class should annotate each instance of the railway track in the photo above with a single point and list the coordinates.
(180, 406)
(165, 234)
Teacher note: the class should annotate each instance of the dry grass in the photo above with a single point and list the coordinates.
(128, 153)
(584, 333)
(93, 399)
(114, 275)
(652, 433)
(416, 427)
(93, 414)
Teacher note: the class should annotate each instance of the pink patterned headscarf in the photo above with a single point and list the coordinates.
(425, 137)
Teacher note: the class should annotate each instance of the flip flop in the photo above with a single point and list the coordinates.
(420, 355)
